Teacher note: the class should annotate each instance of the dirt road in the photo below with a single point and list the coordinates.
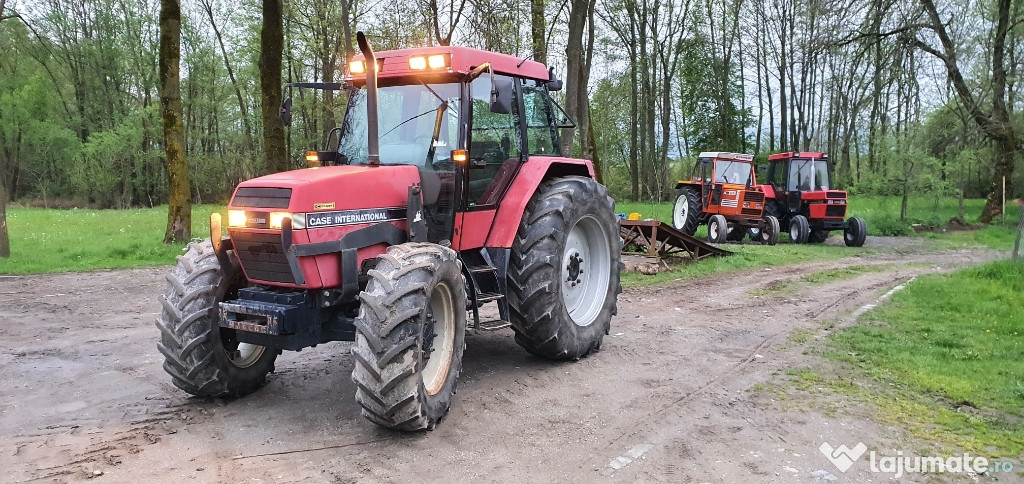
(83, 396)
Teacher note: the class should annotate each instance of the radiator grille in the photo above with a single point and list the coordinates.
(835, 194)
(756, 197)
(262, 256)
(754, 212)
(262, 197)
(835, 211)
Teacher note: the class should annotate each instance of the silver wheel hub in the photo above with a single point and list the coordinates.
(438, 344)
(585, 271)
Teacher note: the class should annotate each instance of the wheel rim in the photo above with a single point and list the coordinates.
(794, 231)
(681, 211)
(438, 338)
(713, 230)
(586, 267)
(245, 355)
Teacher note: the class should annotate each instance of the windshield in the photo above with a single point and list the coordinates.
(408, 116)
(733, 172)
(806, 175)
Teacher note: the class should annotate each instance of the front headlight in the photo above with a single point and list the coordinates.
(236, 218)
(276, 218)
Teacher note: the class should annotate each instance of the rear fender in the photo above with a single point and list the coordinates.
(530, 176)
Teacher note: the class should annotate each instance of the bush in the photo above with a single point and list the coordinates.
(890, 226)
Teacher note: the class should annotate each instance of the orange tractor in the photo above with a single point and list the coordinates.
(799, 194)
(723, 193)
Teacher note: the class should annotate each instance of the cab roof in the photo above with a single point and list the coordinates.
(799, 154)
(725, 155)
(461, 60)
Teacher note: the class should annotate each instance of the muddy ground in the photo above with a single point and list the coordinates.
(667, 398)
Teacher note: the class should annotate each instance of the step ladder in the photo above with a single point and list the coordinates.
(486, 284)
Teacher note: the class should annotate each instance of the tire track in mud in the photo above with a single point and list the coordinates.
(806, 304)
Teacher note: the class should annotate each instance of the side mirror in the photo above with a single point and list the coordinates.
(501, 95)
(286, 111)
(554, 83)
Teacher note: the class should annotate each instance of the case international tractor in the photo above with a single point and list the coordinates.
(723, 193)
(798, 193)
(445, 192)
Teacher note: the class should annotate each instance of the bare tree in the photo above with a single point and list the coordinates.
(179, 207)
(271, 52)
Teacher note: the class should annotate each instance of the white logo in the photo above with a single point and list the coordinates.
(843, 457)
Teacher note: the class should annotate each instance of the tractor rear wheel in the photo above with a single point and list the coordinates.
(686, 211)
(563, 274)
(736, 234)
(410, 334)
(856, 232)
(819, 236)
(718, 229)
(202, 358)
(770, 234)
(799, 229)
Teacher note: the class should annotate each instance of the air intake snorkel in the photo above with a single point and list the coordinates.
(372, 142)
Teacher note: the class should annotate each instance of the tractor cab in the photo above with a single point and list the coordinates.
(800, 192)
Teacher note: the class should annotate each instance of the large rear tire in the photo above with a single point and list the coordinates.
(563, 277)
(856, 232)
(410, 335)
(686, 211)
(202, 358)
(819, 236)
(799, 229)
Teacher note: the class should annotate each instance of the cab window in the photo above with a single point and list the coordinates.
(494, 142)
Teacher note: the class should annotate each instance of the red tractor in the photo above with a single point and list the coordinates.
(722, 192)
(446, 191)
(798, 193)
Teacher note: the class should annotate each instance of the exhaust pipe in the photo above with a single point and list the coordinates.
(373, 143)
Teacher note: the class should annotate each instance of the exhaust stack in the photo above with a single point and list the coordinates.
(373, 142)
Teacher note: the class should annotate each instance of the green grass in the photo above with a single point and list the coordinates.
(45, 240)
(848, 272)
(746, 256)
(943, 358)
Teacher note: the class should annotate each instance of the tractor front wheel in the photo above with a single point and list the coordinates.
(799, 229)
(856, 232)
(770, 234)
(410, 334)
(686, 211)
(202, 358)
(563, 275)
(718, 229)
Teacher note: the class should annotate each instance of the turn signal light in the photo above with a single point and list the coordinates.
(312, 159)
(357, 67)
(460, 156)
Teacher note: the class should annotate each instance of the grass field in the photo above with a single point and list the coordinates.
(942, 358)
(75, 240)
(47, 240)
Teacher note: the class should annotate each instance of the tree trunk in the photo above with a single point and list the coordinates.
(179, 206)
(538, 28)
(271, 51)
(5, 241)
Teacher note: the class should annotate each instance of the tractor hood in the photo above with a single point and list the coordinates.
(328, 188)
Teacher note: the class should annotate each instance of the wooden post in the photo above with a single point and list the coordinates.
(1004, 199)
(1020, 229)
